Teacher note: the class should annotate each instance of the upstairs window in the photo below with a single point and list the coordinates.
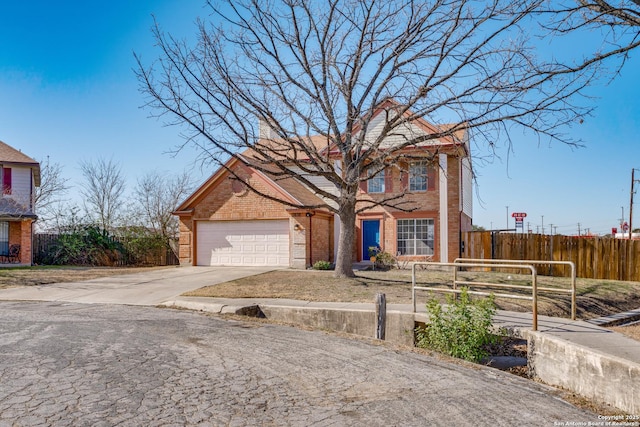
(375, 184)
(418, 176)
(6, 180)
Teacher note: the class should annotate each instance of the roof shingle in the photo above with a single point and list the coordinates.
(11, 155)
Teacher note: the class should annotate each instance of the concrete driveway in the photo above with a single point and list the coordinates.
(149, 288)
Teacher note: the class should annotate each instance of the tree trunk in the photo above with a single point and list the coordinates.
(344, 259)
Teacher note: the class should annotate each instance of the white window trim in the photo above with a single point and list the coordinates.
(431, 225)
(412, 176)
(377, 177)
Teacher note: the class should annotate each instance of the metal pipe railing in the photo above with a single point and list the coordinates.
(456, 265)
(571, 264)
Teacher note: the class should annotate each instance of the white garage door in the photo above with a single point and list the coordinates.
(260, 243)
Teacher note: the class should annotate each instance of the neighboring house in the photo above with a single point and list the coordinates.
(224, 223)
(19, 176)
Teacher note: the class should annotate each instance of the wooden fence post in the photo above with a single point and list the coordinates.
(381, 315)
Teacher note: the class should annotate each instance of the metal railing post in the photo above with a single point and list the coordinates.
(534, 291)
(573, 291)
(413, 287)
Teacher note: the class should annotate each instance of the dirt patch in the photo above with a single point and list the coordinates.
(43, 275)
(595, 298)
(632, 331)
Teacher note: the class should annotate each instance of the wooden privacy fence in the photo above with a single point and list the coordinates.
(594, 257)
(45, 243)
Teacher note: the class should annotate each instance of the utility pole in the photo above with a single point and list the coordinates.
(578, 229)
(551, 228)
(631, 204)
(542, 224)
(507, 216)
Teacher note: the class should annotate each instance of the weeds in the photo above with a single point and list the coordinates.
(461, 329)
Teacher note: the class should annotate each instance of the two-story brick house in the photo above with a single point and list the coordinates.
(223, 223)
(19, 176)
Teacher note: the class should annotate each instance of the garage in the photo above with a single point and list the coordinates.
(243, 243)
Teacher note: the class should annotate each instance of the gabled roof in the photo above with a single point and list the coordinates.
(11, 155)
(317, 143)
(8, 154)
(295, 189)
(291, 189)
(452, 140)
(288, 188)
(323, 144)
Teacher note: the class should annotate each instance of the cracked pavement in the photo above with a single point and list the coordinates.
(68, 364)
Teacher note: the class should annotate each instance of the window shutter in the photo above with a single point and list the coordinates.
(431, 178)
(363, 185)
(6, 180)
(388, 182)
(404, 176)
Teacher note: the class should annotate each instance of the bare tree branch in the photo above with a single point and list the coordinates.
(53, 187)
(103, 191)
(157, 195)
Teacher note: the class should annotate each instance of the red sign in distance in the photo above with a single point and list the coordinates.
(519, 215)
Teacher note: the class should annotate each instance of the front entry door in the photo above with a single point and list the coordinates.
(370, 236)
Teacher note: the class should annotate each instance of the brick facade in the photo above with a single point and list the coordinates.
(310, 231)
(422, 205)
(312, 236)
(20, 233)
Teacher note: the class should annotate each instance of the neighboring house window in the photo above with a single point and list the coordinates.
(415, 236)
(4, 237)
(6, 180)
(375, 184)
(418, 176)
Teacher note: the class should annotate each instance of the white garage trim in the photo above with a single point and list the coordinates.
(243, 243)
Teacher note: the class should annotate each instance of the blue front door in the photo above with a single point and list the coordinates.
(370, 236)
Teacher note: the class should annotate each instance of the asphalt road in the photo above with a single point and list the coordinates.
(103, 365)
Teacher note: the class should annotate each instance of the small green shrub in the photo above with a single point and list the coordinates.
(322, 265)
(85, 245)
(463, 329)
(385, 260)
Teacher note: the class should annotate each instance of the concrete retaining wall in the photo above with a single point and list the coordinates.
(585, 371)
(399, 327)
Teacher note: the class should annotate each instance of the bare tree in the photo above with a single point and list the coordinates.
(619, 14)
(321, 69)
(53, 187)
(157, 195)
(617, 24)
(103, 191)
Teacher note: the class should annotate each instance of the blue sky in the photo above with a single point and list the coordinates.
(68, 91)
